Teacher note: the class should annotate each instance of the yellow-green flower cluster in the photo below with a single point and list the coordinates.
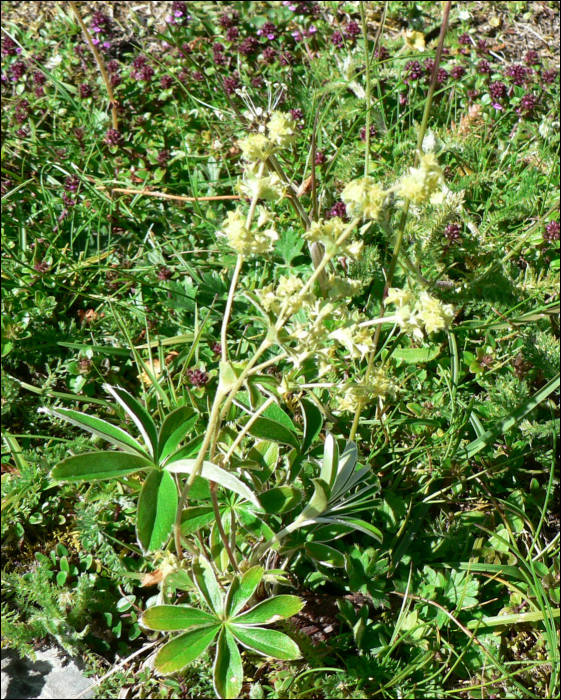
(364, 198)
(328, 232)
(255, 186)
(356, 339)
(428, 314)
(256, 241)
(355, 395)
(341, 288)
(422, 182)
(311, 337)
(286, 297)
(256, 147)
(282, 131)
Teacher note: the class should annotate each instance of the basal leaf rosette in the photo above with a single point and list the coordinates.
(227, 622)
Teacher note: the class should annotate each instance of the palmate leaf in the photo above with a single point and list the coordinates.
(203, 627)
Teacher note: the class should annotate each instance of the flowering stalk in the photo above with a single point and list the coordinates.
(367, 75)
(405, 212)
(100, 65)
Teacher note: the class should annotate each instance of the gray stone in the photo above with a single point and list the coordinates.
(52, 676)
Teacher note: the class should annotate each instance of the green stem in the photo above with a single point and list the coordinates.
(228, 309)
(220, 526)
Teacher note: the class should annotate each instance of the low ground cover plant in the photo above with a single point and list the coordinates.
(280, 347)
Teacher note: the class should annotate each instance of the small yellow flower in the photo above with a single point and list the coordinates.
(244, 241)
(339, 288)
(364, 197)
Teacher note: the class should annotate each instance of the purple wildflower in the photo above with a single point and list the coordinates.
(72, 183)
(100, 22)
(482, 46)
(163, 157)
(166, 81)
(257, 81)
(39, 78)
(338, 209)
(219, 59)
(516, 73)
(320, 158)
(532, 58)
(297, 114)
(164, 273)
(112, 66)
(382, 54)
(79, 133)
(248, 46)
(337, 39)
(268, 30)
(352, 30)
(464, 39)
(373, 132)
(498, 90)
(145, 74)
(528, 105)
(453, 233)
(483, 67)
(197, 377)
(115, 79)
(286, 59)
(139, 61)
(231, 84)
(67, 200)
(551, 232)
(414, 71)
(85, 91)
(232, 34)
(9, 47)
(442, 76)
(18, 70)
(549, 76)
(458, 72)
(429, 64)
(269, 55)
(113, 137)
(197, 76)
